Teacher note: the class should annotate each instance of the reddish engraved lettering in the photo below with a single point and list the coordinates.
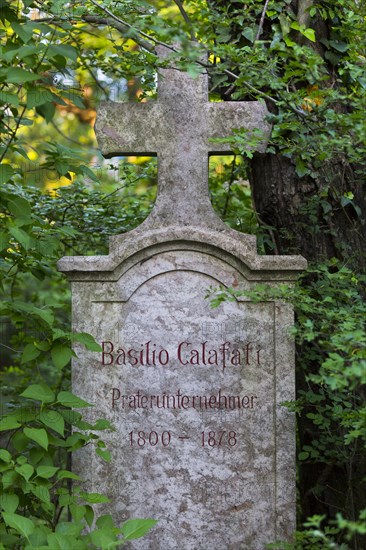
(178, 401)
(218, 439)
(223, 356)
(107, 353)
(141, 438)
(149, 355)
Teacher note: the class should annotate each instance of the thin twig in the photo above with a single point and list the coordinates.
(150, 47)
(270, 231)
(122, 27)
(128, 25)
(263, 94)
(13, 135)
(231, 181)
(260, 28)
(8, 347)
(186, 19)
(99, 85)
(67, 137)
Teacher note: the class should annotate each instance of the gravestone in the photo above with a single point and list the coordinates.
(201, 441)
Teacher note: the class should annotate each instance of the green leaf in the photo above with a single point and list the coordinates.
(6, 172)
(20, 441)
(59, 541)
(5, 456)
(105, 455)
(21, 209)
(295, 25)
(65, 474)
(39, 392)
(4, 240)
(25, 470)
(249, 33)
(136, 528)
(71, 416)
(30, 352)
(54, 420)
(345, 201)
(36, 454)
(88, 341)
(22, 237)
(22, 525)
(85, 169)
(339, 46)
(9, 423)
(11, 99)
(44, 346)
(24, 31)
(285, 24)
(77, 101)
(37, 435)
(64, 50)
(29, 49)
(61, 355)
(332, 57)
(69, 528)
(89, 515)
(38, 97)
(42, 493)
(77, 512)
(94, 498)
(8, 55)
(289, 43)
(44, 314)
(9, 503)
(39, 537)
(68, 399)
(46, 471)
(301, 168)
(16, 75)
(62, 167)
(102, 538)
(303, 455)
(103, 424)
(309, 34)
(47, 110)
(105, 521)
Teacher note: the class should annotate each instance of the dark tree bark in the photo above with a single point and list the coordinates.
(307, 214)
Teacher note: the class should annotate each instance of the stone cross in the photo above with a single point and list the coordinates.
(201, 441)
(178, 128)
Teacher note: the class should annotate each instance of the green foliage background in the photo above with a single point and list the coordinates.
(59, 197)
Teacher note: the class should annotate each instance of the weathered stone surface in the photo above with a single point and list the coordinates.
(215, 475)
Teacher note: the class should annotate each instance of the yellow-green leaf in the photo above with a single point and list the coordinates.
(136, 528)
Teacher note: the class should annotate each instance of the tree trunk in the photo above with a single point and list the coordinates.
(309, 216)
(301, 223)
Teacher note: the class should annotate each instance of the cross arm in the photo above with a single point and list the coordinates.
(129, 128)
(224, 117)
